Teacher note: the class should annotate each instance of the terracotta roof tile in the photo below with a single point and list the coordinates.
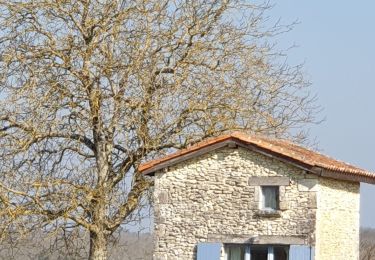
(279, 147)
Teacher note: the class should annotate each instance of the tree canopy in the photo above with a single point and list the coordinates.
(92, 88)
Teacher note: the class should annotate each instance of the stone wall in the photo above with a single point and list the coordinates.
(337, 220)
(213, 198)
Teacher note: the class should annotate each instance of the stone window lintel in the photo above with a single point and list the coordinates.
(256, 239)
(269, 181)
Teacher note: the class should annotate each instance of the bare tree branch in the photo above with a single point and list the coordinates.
(90, 89)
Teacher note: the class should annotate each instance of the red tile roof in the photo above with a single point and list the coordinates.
(283, 149)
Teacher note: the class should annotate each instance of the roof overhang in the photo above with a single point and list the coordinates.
(352, 174)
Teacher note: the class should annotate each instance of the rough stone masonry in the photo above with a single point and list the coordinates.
(215, 198)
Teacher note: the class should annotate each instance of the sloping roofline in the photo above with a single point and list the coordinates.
(283, 150)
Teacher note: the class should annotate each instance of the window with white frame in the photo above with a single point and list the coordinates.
(269, 198)
(213, 251)
(256, 252)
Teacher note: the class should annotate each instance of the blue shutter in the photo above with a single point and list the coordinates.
(209, 251)
(312, 253)
(300, 252)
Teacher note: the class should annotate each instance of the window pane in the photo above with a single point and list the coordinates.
(270, 197)
(236, 252)
(259, 253)
(280, 253)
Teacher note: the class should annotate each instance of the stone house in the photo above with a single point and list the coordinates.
(237, 197)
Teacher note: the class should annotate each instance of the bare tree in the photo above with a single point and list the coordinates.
(91, 88)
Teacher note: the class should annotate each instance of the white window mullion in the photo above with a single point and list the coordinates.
(270, 253)
(247, 253)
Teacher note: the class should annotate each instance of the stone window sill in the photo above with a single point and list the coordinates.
(268, 213)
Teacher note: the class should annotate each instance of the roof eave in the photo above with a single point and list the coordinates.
(232, 141)
(228, 142)
(184, 157)
(346, 176)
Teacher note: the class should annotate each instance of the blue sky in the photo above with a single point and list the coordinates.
(336, 41)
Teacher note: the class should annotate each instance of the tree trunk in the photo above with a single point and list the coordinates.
(98, 239)
(98, 246)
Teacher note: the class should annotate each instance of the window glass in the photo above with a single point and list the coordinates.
(259, 253)
(236, 252)
(270, 197)
(280, 253)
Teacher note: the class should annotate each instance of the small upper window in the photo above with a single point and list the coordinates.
(270, 197)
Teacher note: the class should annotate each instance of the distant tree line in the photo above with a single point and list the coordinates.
(131, 246)
(42, 246)
(367, 244)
